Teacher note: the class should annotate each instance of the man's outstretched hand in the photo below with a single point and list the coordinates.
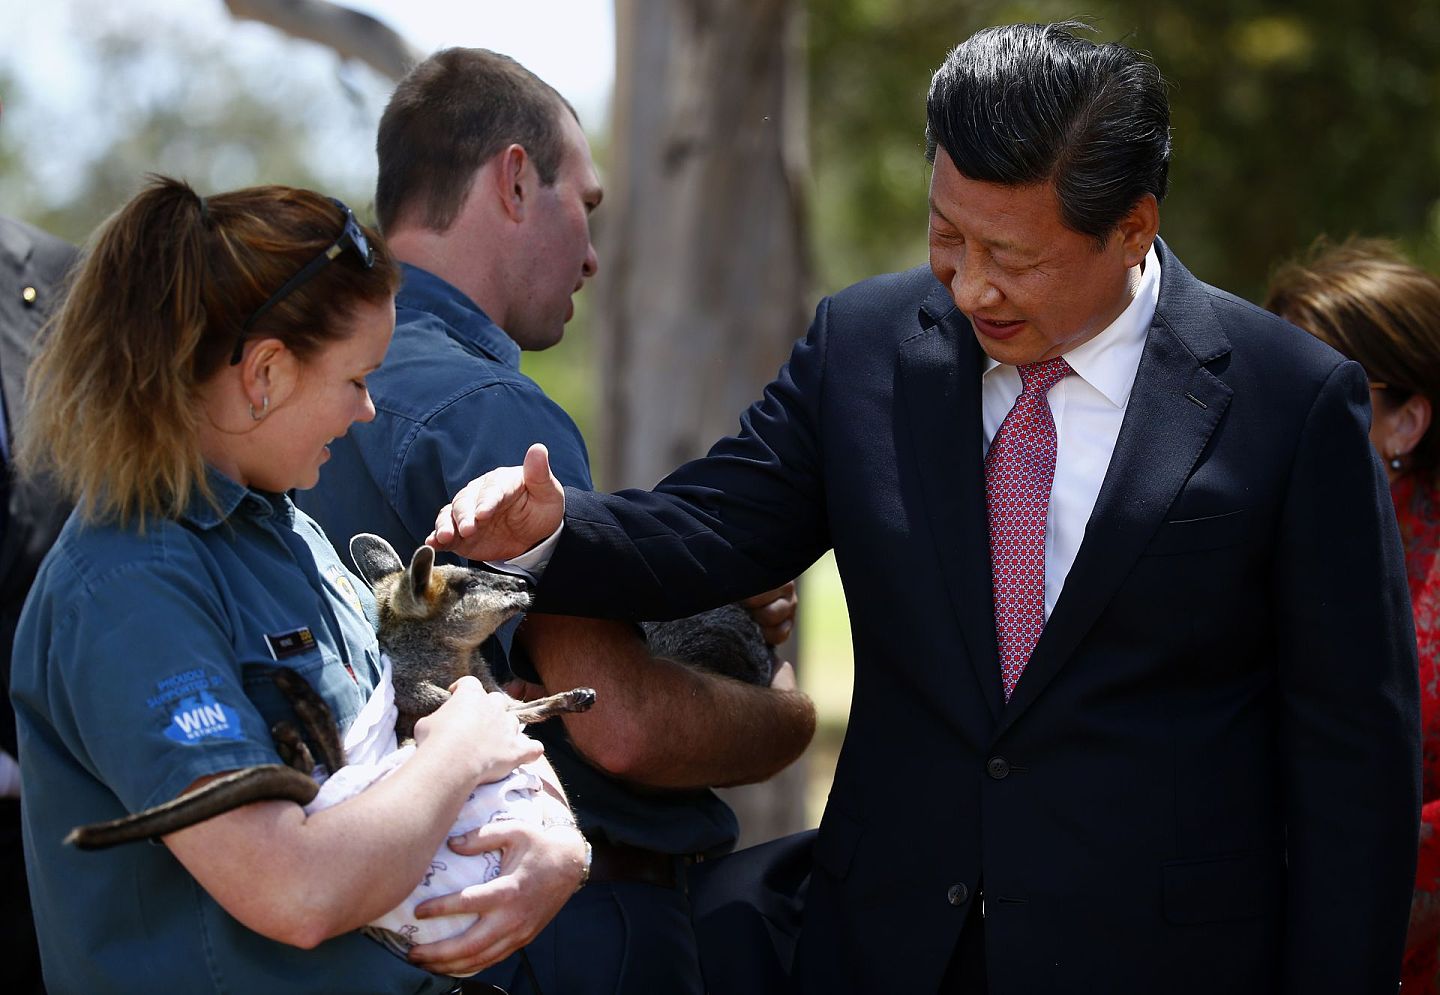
(504, 513)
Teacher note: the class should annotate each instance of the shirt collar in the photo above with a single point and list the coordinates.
(463, 319)
(230, 497)
(1109, 361)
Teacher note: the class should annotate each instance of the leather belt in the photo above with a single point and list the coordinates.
(621, 862)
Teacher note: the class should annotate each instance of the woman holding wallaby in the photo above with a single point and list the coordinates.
(208, 352)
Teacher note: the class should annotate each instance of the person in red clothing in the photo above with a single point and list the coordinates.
(1364, 299)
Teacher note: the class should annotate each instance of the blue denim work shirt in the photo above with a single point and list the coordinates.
(451, 404)
(142, 663)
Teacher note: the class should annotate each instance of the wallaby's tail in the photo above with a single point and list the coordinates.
(578, 700)
(271, 782)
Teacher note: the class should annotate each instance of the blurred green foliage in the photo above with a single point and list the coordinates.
(1290, 120)
(153, 99)
(567, 372)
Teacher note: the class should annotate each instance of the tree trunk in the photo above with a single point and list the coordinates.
(703, 254)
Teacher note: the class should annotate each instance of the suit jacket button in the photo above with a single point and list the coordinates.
(957, 894)
(998, 768)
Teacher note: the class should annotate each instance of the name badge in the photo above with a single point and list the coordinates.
(287, 644)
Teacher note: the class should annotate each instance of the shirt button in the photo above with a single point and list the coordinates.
(957, 894)
(998, 768)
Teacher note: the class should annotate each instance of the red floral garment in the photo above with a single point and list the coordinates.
(1417, 507)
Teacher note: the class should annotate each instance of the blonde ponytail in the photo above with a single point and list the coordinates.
(154, 309)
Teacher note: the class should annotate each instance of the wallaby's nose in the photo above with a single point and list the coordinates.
(499, 581)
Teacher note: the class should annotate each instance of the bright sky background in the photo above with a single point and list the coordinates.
(569, 43)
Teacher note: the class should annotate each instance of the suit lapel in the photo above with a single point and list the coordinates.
(1174, 408)
(939, 377)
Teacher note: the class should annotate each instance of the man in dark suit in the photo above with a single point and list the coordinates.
(1135, 700)
(32, 266)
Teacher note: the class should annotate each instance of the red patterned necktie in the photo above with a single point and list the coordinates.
(1019, 470)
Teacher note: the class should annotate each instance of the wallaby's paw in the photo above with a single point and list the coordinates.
(577, 700)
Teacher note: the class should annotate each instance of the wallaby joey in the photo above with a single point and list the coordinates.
(724, 640)
(433, 619)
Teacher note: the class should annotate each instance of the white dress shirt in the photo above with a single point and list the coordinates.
(1088, 407)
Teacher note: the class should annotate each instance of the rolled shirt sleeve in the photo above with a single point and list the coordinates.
(154, 697)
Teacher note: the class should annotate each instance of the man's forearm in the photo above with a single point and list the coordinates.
(662, 723)
(717, 732)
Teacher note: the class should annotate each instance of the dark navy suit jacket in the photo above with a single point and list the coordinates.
(29, 259)
(1207, 778)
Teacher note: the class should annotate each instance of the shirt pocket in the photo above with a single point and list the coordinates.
(325, 674)
(1200, 534)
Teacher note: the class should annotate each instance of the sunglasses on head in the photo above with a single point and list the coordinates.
(351, 236)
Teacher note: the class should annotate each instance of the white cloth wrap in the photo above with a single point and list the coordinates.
(372, 753)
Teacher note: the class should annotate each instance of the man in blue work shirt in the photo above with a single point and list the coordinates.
(485, 189)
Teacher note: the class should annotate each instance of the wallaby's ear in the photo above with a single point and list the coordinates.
(420, 565)
(374, 557)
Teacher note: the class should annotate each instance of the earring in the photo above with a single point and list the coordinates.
(264, 407)
(1395, 463)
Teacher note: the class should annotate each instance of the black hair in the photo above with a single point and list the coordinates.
(1026, 103)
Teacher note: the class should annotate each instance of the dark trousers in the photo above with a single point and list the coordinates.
(615, 938)
(966, 973)
(19, 953)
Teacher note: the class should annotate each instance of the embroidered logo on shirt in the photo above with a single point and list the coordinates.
(340, 580)
(284, 645)
(201, 717)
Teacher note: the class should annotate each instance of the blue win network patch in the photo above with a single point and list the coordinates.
(201, 717)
